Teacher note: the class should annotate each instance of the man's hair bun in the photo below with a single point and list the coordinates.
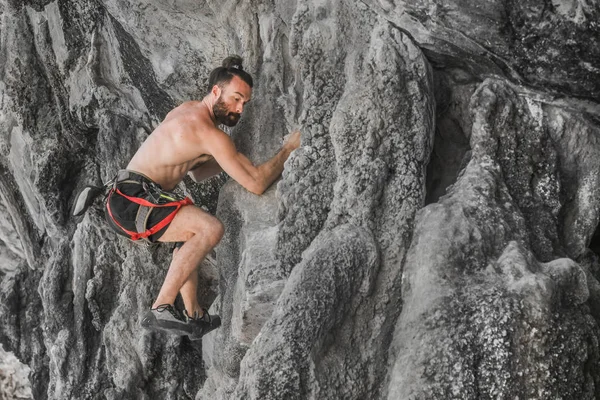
(232, 66)
(233, 61)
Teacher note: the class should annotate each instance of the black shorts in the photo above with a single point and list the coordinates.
(125, 211)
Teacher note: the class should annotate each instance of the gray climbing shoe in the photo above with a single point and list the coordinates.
(202, 325)
(166, 319)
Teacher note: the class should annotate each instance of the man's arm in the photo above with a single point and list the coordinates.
(205, 170)
(255, 179)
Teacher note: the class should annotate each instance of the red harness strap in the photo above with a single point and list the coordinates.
(166, 221)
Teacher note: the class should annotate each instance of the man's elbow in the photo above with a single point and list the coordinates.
(255, 187)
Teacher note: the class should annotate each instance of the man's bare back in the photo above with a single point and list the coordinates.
(176, 145)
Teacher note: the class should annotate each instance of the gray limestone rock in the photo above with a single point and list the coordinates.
(14, 383)
(483, 317)
(379, 150)
(551, 45)
(435, 236)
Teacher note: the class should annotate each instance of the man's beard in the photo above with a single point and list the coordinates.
(223, 116)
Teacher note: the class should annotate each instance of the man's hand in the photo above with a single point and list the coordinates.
(292, 141)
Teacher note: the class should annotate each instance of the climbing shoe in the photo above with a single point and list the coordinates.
(165, 318)
(85, 198)
(202, 325)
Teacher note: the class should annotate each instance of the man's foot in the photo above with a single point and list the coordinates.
(202, 325)
(165, 318)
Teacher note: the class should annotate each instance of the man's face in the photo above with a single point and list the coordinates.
(230, 104)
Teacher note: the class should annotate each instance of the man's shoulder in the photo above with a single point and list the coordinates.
(191, 112)
(189, 108)
(191, 121)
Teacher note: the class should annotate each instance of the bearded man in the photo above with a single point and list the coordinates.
(141, 206)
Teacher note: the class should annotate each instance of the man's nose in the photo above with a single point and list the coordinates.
(239, 108)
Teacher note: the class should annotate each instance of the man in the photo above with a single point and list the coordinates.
(188, 141)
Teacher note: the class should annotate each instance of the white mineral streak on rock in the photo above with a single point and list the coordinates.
(22, 165)
(11, 250)
(56, 28)
(8, 235)
(105, 65)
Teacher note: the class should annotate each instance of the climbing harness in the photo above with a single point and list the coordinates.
(156, 198)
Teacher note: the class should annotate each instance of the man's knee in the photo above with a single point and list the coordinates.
(210, 230)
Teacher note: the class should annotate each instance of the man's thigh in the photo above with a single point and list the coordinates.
(188, 221)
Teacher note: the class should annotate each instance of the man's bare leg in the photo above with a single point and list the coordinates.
(184, 263)
(189, 292)
(189, 295)
(201, 232)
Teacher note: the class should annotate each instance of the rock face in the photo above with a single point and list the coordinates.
(433, 238)
(14, 383)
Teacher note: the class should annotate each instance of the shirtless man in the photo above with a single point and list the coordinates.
(188, 141)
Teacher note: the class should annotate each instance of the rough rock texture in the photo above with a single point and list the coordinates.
(431, 239)
(483, 316)
(378, 151)
(14, 382)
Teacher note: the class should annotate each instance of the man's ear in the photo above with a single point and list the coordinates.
(216, 91)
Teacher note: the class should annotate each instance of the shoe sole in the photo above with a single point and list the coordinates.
(215, 323)
(175, 328)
